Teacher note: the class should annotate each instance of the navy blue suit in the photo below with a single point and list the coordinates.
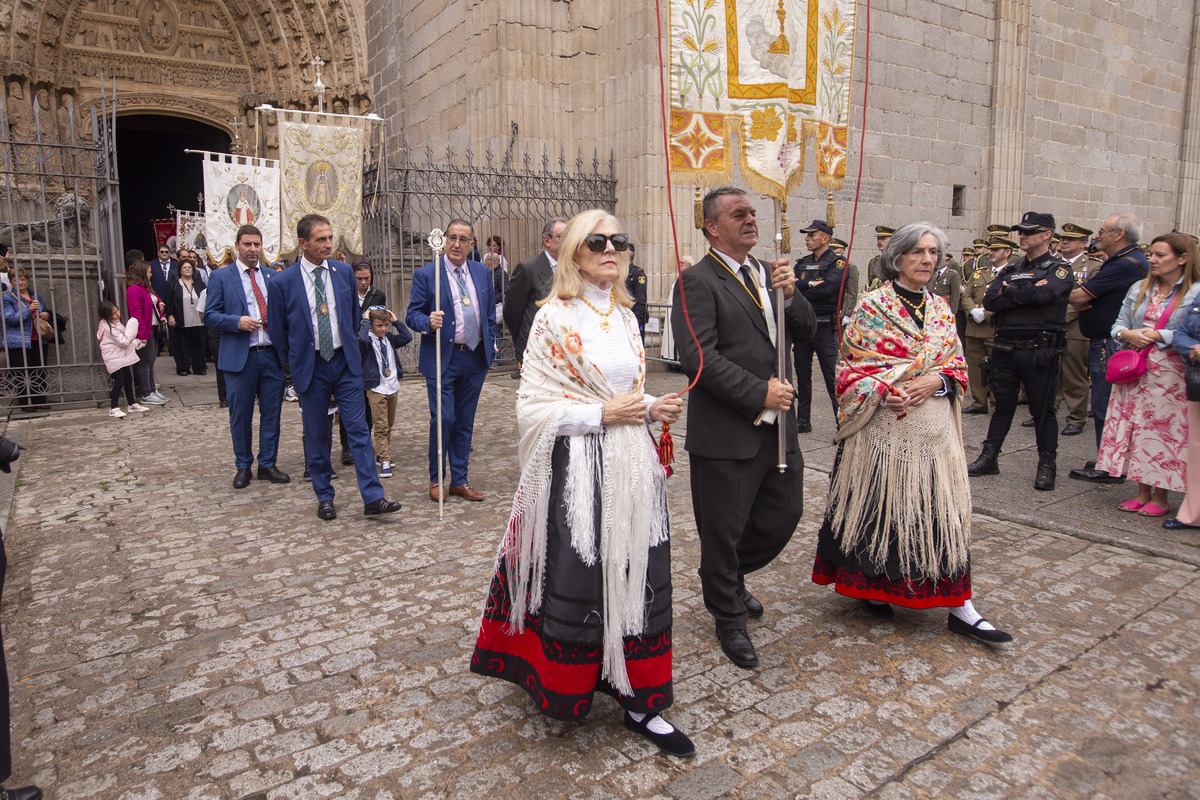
(462, 371)
(248, 373)
(316, 379)
(397, 338)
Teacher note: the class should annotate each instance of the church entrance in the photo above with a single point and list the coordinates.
(157, 174)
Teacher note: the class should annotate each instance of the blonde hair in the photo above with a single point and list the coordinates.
(1181, 245)
(568, 280)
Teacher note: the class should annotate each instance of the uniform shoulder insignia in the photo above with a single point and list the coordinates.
(1061, 273)
(641, 279)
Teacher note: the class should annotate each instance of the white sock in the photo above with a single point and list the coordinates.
(967, 613)
(657, 725)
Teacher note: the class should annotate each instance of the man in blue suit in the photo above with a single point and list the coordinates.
(236, 305)
(313, 313)
(161, 273)
(469, 336)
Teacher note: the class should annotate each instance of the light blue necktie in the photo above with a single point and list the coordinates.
(470, 320)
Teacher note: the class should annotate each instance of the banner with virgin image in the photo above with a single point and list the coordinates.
(239, 190)
(321, 167)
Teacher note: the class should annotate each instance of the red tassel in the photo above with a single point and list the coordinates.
(666, 449)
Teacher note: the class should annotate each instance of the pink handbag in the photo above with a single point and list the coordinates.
(1126, 366)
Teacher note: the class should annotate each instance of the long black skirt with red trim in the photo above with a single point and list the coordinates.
(557, 657)
(854, 575)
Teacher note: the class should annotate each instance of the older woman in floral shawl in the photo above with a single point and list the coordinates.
(581, 595)
(897, 528)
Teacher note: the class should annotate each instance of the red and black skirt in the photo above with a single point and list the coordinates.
(557, 657)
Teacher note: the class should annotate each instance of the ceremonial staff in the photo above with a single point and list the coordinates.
(783, 247)
(437, 242)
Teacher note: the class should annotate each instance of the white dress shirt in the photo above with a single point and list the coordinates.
(260, 336)
(389, 384)
(306, 270)
(460, 326)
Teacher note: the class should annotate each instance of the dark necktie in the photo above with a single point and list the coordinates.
(748, 279)
(383, 357)
(470, 321)
(259, 300)
(324, 329)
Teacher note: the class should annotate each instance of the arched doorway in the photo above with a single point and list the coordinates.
(157, 172)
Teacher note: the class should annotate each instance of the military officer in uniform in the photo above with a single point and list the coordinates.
(1029, 301)
(819, 281)
(849, 297)
(979, 320)
(947, 283)
(1073, 385)
(874, 275)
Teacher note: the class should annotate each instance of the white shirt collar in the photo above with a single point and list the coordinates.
(309, 266)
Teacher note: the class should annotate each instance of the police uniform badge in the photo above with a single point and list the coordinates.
(1061, 273)
(641, 279)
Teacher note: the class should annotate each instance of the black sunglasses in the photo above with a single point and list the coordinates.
(596, 242)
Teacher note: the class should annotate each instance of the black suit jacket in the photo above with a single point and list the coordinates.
(739, 359)
(374, 297)
(530, 282)
(159, 283)
(174, 298)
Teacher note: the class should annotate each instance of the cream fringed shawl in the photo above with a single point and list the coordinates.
(905, 479)
(633, 514)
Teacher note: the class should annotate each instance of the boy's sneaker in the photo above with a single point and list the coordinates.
(137, 407)
(289, 394)
(385, 469)
(151, 399)
(116, 413)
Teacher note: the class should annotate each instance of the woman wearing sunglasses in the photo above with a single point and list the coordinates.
(581, 596)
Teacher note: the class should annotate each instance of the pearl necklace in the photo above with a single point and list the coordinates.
(605, 325)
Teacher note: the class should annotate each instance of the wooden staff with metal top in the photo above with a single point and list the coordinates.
(437, 242)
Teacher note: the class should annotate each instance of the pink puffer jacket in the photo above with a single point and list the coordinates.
(118, 344)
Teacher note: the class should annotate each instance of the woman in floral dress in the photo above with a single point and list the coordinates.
(1146, 430)
(581, 595)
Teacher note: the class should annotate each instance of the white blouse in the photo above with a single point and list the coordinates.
(611, 352)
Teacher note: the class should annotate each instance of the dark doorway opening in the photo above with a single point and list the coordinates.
(156, 172)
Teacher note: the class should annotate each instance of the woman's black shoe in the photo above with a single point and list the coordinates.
(881, 610)
(674, 743)
(975, 632)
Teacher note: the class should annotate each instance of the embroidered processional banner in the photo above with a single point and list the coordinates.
(190, 227)
(238, 191)
(754, 81)
(321, 167)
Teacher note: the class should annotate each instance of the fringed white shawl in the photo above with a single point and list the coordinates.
(907, 477)
(633, 517)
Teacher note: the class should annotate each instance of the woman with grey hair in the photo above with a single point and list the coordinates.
(897, 526)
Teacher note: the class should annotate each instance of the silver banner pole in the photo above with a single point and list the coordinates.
(437, 241)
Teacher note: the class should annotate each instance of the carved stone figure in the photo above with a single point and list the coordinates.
(18, 113)
(66, 114)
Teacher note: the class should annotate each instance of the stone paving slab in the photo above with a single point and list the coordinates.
(169, 637)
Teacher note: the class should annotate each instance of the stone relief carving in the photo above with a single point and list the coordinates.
(18, 113)
(158, 24)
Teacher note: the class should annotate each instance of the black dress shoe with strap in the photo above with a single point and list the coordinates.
(737, 645)
(753, 607)
(992, 636)
(880, 610)
(674, 743)
(325, 510)
(24, 793)
(381, 506)
(273, 475)
(242, 479)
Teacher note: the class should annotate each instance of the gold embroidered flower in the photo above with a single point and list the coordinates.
(765, 124)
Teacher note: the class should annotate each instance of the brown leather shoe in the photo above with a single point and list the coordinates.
(433, 492)
(466, 492)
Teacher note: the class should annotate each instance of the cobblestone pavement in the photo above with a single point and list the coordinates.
(169, 637)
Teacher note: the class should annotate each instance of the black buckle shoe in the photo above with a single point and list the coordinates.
(674, 743)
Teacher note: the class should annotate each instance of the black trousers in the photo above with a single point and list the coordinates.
(746, 512)
(824, 345)
(190, 344)
(214, 347)
(1037, 371)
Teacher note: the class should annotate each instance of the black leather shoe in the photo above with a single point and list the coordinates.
(273, 475)
(1029, 423)
(1071, 429)
(975, 632)
(753, 607)
(737, 645)
(674, 743)
(325, 510)
(381, 506)
(29, 793)
(880, 610)
(347, 458)
(242, 479)
(804, 427)
(986, 463)
(1046, 472)
(222, 404)
(976, 411)
(307, 475)
(1093, 475)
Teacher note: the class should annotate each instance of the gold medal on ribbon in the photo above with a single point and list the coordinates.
(466, 301)
(387, 372)
(324, 309)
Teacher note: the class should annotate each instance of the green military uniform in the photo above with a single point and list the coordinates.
(979, 333)
(874, 273)
(947, 283)
(1074, 385)
(849, 299)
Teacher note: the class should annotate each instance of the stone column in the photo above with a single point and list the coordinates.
(1187, 216)
(1010, 82)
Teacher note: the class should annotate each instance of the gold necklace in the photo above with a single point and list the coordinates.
(605, 325)
(917, 310)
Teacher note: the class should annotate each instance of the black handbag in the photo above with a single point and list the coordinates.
(1192, 376)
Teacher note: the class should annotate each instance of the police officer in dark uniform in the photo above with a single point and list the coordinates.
(635, 284)
(819, 280)
(1029, 305)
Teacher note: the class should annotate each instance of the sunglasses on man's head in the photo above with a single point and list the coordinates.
(596, 242)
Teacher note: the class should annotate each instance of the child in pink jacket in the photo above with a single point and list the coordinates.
(118, 347)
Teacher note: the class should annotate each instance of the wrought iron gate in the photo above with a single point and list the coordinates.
(60, 220)
(507, 202)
